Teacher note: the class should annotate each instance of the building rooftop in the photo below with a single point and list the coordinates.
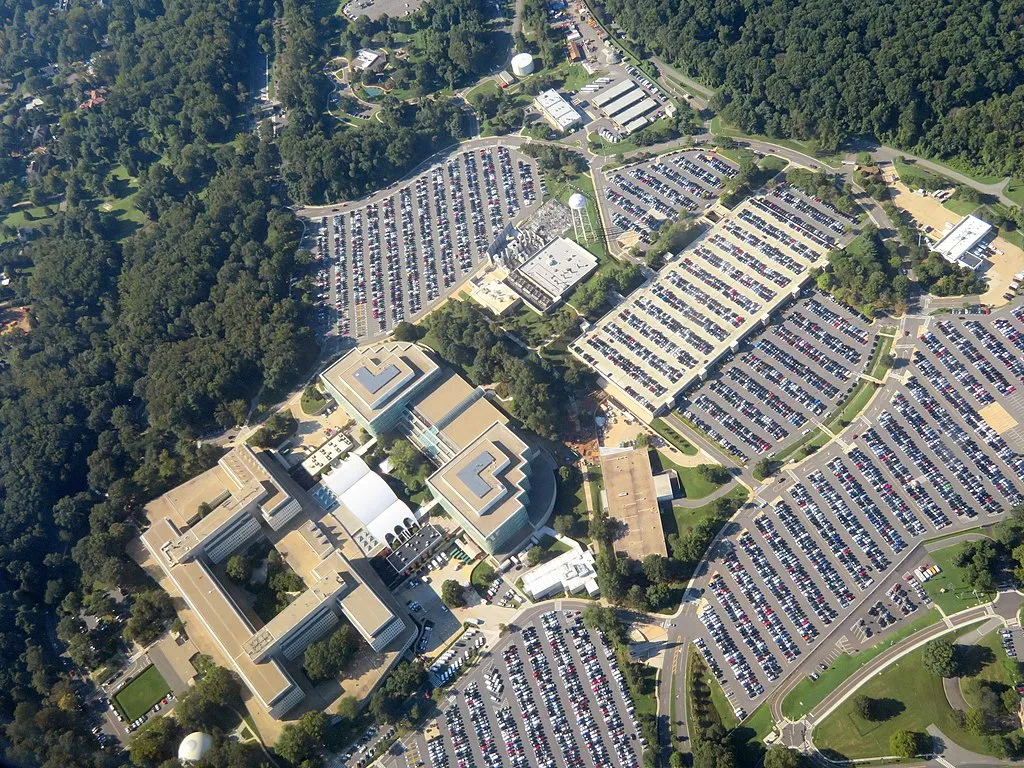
(957, 243)
(483, 479)
(632, 499)
(557, 109)
(569, 572)
(371, 378)
(558, 267)
(450, 392)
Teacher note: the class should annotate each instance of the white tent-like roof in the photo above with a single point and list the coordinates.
(368, 497)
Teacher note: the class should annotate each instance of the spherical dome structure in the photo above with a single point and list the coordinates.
(522, 64)
(577, 201)
(194, 747)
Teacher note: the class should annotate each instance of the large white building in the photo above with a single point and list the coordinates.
(562, 115)
(959, 245)
(557, 268)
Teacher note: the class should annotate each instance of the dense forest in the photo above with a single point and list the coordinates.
(942, 78)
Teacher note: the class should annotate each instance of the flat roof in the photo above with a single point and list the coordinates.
(465, 428)
(559, 266)
(637, 110)
(450, 392)
(620, 104)
(486, 508)
(655, 344)
(962, 238)
(632, 499)
(613, 92)
(633, 125)
(372, 378)
(554, 105)
(222, 617)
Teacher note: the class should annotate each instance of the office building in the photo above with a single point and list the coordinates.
(559, 113)
(199, 524)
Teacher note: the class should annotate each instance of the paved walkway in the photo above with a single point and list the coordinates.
(956, 755)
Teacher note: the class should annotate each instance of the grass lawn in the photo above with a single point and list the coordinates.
(687, 519)
(694, 486)
(948, 589)
(917, 701)
(859, 398)
(584, 184)
(798, 450)
(960, 207)
(679, 442)
(648, 702)
(1001, 670)
(139, 696)
(1015, 191)
(482, 576)
(879, 364)
(721, 704)
(312, 401)
(808, 693)
(596, 480)
(601, 147)
(487, 86)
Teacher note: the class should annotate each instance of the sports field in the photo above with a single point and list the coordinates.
(139, 696)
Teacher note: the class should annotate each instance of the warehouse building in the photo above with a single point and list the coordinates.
(631, 497)
(627, 105)
(962, 245)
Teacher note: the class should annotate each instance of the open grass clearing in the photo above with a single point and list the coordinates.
(685, 520)
(674, 439)
(948, 589)
(139, 696)
(720, 128)
(915, 699)
(693, 483)
(808, 693)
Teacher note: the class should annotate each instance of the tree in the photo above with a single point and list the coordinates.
(643, 440)
(155, 742)
(941, 658)
(535, 556)
(239, 568)
(763, 468)
(348, 708)
(150, 612)
(406, 331)
(453, 594)
(564, 524)
(212, 702)
(906, 744)
(779, 756)
(713, 473)
(865, 707)
(655, 568)
(976, 721)
(301, 741)
(327, 658)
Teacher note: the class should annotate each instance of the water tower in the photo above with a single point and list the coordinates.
(582, 226)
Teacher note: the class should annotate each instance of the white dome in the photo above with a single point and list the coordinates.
(577, 201)
(194, 746)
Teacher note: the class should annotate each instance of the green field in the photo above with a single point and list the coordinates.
(679, 442)
(720, 128)
(808, 693)
(916, 700)
(960, 207)
(948, 589)
(687, 519)
(1015, 191)
(139, 696)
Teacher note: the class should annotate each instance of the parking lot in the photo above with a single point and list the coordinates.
(394, 257)
(834, 550)
(661, 341)
(550, 693)
(785, 379)
(646, 195)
